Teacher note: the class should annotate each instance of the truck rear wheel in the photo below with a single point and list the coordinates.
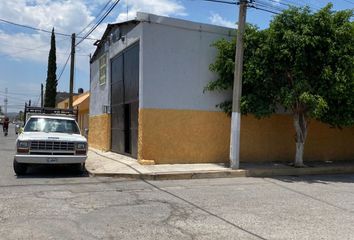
(20, 168)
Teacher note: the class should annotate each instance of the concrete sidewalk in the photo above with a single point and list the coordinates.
(115, 165)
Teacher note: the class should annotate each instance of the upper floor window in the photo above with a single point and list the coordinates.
(103, 72)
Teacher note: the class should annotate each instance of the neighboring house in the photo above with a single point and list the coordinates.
(147, 100)
(65, 103)
(82, 105)
(62, 96)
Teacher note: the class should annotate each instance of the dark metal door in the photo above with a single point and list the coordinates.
(125, 101)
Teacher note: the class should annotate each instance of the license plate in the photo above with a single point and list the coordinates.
(52, 160)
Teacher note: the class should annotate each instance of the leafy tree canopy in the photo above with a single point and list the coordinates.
(303, 62)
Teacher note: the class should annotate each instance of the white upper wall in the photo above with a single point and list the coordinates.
(175, 64)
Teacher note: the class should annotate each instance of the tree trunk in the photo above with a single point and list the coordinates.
(300, 123)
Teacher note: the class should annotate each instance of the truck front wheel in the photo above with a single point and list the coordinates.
(20, 168)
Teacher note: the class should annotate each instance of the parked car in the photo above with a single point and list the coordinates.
(50, 139)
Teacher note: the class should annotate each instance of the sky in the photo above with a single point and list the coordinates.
(24, 52)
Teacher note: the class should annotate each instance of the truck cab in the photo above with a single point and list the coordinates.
(50, 138)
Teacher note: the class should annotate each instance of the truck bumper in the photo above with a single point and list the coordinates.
(50, 159)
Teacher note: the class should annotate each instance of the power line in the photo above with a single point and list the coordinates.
(266, 10)
(280, 3)
(349, 2)
(221, 1)
(18, 97)
(296, 4)
(98, 22)
(39, 29)
(63, 68)
(15, 98)
(17, 93)
(267, 6)
(37, 102)
(101, 11)
(34, 49)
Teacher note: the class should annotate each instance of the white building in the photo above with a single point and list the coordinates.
(147, 100)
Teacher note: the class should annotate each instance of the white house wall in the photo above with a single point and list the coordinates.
(176, 68)
(178, 123)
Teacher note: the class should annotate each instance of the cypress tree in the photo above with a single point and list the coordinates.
(51, 82)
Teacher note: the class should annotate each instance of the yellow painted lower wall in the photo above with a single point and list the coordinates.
(182, 136)
(187, 136)
(100, 132)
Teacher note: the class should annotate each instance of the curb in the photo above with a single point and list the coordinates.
(301, 171)
(231, 173)
(174, 175)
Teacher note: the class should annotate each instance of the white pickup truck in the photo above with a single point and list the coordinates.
(50, 139)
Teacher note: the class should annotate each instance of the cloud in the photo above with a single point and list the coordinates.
(159, 7)
(22, 44)
(218, 20)
(66, 16)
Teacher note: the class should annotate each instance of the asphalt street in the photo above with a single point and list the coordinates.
(58, 203)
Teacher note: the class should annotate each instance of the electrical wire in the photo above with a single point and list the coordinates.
(274, 2)
(35, 49)
(63, 68)
(296, 4)
(14, 98)
(39, 29)
(220, 1)
(100, 12)
(98, 22)
(349, 2)
(17, 93)
(266, 5)
(265, 10)
(37, 102)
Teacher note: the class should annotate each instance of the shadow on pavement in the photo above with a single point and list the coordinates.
(53, 171)
(322, 179)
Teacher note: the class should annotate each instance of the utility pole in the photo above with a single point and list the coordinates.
(72, 67)
(237, 91)
(5, 102)
(41, 94)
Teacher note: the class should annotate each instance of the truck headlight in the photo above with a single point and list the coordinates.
(22, 144)
(81, 146)
(22, 147)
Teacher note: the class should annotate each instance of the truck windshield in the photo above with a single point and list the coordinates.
(52, 125)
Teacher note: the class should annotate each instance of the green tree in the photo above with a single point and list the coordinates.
(51, 82)
(304, 62)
